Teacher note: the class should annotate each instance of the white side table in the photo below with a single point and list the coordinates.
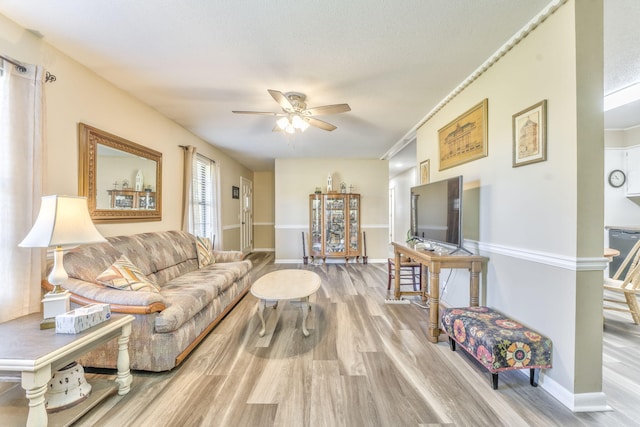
(37, 354)
(286, 285)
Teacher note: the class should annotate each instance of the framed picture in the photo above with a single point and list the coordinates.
(465, 138)
(235, 192)
(530, 135)
(424, 172)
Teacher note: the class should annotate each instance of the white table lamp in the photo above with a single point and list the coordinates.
(63, 221)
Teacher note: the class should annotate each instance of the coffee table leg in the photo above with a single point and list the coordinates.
(261, 304)
(124, 378)
(35, 383)
(305, 312)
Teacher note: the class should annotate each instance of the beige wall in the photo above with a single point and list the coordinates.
(540, 225)
(295, 179)
(79, 95)
(264, 211)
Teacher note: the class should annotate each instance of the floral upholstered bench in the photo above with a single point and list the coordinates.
(496, 341)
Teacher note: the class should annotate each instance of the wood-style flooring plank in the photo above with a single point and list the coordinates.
(365, 363)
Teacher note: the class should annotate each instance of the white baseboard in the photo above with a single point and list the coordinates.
(264, 249)
(580, 402)
(328, 261)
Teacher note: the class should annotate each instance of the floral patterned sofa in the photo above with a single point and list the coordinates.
(176, 299)
(496, 341)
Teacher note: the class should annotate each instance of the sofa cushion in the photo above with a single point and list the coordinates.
(186, 295)
(232, 271)
(86, 262)
(124, 275)
(205, 255)
(166, 254)
(133, 247)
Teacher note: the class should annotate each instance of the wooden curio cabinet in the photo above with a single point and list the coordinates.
(334, 226)
(131, 199)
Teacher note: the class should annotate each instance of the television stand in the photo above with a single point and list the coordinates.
(461, 249)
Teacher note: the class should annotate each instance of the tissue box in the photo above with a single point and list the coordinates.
(82, 318)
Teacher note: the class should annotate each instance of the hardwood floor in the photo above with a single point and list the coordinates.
(366, 363)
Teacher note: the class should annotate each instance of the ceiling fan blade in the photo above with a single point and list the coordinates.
(281, 99)
(319, 124)
(328, 109)
(262, 113)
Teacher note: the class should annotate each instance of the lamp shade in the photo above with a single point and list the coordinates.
(62, 221)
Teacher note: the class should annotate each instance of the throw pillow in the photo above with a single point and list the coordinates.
(205, 253)
(122, 274)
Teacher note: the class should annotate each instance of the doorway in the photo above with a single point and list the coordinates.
(246, 215)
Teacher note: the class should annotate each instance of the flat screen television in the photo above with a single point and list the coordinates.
(436, 212)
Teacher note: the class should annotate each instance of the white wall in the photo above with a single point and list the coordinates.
(295, 179)
(401, 185)
(79, 95)
(540, 225)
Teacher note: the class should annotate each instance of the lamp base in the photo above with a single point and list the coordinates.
(56, 303)
(49, 323)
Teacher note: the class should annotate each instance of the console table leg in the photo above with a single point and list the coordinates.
(396, 283)
(434, 306)
(474, 289)
(261, 304)
(124, 378)
(35, 384)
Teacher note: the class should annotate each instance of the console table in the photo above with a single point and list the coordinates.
(434, 263)
(37, 354)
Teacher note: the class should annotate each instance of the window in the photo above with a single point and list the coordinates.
(204, 198)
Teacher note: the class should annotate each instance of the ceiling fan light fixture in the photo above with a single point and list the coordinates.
(283, 122)
(295, 115)
(298, 123)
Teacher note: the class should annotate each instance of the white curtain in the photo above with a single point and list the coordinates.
(188, 189)
(21, 164)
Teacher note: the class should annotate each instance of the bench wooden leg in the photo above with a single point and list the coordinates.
(494, 382)
(533, 377)
(452, 344)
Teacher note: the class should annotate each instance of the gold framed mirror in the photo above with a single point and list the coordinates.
(122, 180)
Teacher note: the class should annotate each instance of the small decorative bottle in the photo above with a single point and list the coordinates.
(329, 184)
(139, 180)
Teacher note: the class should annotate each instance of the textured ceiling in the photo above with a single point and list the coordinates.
(195, 61)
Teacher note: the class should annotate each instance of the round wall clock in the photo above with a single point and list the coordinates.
(617, 178)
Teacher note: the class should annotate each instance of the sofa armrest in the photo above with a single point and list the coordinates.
(228, 256)
(120, 301)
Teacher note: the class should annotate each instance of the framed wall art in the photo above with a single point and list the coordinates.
(530, 135)
(425, 172)
(235, 192)
(465, 138)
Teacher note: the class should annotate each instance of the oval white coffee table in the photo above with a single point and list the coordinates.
(283, 285)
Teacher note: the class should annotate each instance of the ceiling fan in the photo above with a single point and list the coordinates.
(295, 115)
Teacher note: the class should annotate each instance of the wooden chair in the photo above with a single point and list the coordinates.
(629, 286)
(410, 273)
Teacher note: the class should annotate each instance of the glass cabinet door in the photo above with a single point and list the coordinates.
(334, 208)
(315, 225)
(354, 221)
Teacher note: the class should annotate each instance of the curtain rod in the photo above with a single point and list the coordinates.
(18, 65)
(47, 78)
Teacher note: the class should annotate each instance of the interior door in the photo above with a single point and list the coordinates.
(246, 215)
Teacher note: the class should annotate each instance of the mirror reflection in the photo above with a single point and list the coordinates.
(121, 179)
(124, 181)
